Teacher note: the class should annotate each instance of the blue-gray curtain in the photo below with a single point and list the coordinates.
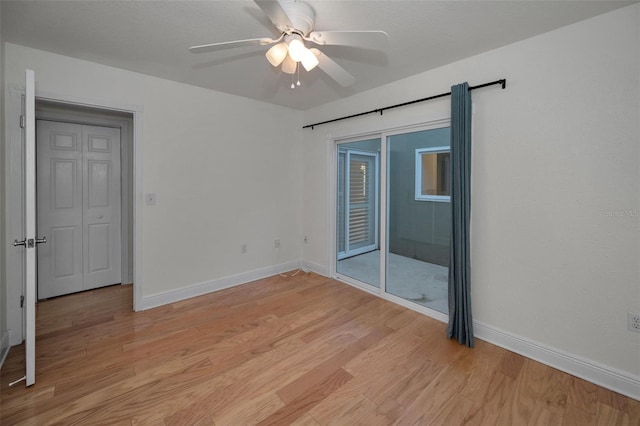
(460, 320)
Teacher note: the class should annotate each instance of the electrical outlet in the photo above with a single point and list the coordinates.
(634, 322)
(276, 243)
(243, 249)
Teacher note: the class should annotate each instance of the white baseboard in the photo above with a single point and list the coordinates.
(315, 267)
(14, 338)
(608, 377)
(4, 347)
(199, 289)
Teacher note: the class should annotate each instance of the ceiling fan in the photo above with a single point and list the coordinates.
(295, 21)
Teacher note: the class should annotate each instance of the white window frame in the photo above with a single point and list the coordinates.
(418, 175)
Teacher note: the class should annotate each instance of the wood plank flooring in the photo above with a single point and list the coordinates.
(305, 350)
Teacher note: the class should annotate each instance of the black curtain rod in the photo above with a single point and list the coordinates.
(502, 82)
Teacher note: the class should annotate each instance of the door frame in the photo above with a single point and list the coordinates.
(14, 224)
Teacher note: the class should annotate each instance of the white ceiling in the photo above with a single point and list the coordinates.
(152, 37)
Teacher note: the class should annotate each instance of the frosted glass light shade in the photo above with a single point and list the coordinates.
(309, 60)
(296, 49)
(276, 54)
(289, 65)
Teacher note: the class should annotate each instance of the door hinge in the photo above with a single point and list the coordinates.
(22, 301)
(22, 121)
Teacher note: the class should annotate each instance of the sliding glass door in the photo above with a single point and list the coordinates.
(415, 207)
(418, 217)
(357, 219)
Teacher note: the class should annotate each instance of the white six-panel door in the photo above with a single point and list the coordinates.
(101, 206)
(59, 208)
(78, 207)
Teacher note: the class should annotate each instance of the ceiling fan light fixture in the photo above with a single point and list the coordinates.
(276, 54)
(289, 65)
(309, 60)
(296, 48)
(295, 21)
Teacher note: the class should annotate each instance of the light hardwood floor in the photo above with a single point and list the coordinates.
(305, 350)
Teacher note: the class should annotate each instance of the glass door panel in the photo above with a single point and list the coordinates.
(357, 218)
(418, 217)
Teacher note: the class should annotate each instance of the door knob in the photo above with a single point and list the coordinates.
(41, 240)
(17, 243)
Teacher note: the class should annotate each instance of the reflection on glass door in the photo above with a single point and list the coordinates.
(357, 222)
(418, 217)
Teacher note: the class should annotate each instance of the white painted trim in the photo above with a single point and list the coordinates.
(332, 205)
(137, 199)
(383, 209)
(592, 371)
(4, 347)
(319, 269)
(418, 174)
(358, 284)
(164, 298)
(44, 95)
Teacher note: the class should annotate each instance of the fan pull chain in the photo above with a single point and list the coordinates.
(298, 69)
(293, 86)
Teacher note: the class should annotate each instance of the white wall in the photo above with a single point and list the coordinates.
(225, 169)
(554, 156)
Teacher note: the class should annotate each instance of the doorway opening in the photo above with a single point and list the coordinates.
(84, 198)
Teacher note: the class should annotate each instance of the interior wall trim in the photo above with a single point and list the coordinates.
(602, 375)
(4, 347)
(315, 267)
(199, 289)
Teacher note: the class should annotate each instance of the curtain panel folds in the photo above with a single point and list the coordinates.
(460, 319)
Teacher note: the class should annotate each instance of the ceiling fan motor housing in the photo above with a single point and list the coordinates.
(301, 15)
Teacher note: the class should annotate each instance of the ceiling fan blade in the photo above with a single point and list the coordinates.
(231, 44)
(333, 70)
(275, 13)
(366, 39)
